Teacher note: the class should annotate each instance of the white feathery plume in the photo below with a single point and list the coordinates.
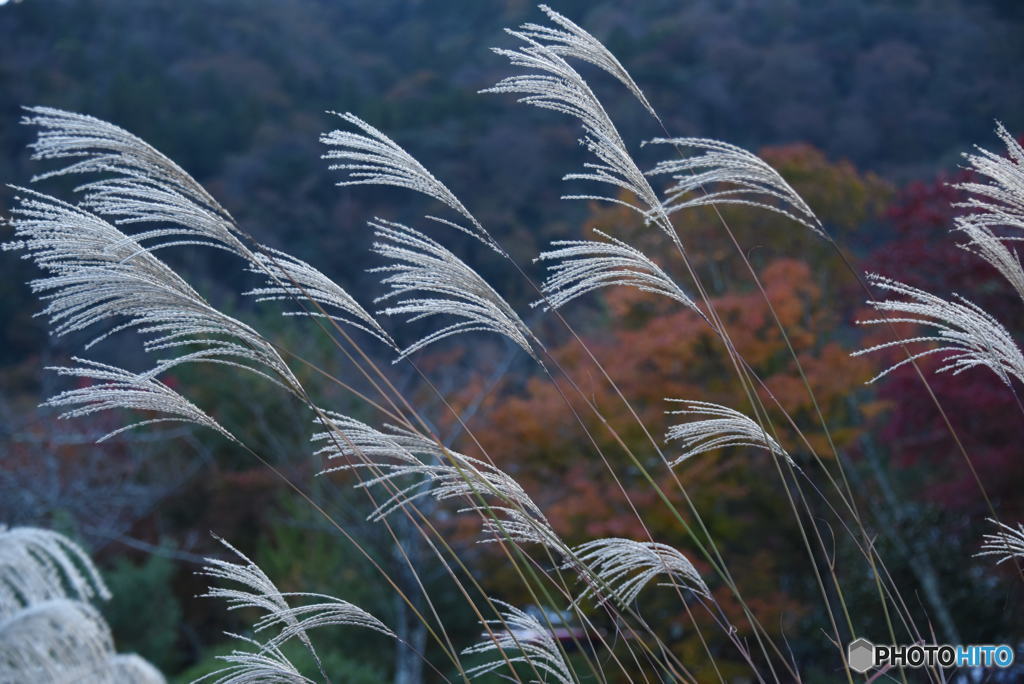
(148, 187)
(724, 427)
(446, 474)
(984, 243)
(1007, 542)
(327, 611)
(452, 288)
(966, 335)
(523, 525)
(996, 204)
(133, 199)
(551, 83)
(624, 567)
(72, 244)
(97, 273)
(573, 41)
(48, 630)
(101, 147)
(735, 175)
(259, 667)
(293, 279)
(1000, 201)
(440, 473)
(587, 265)
(520, 632)
(120, 389)
(372, 158)
(260, 592)
(39, 565)
(128, 668)
(58, 640)
(555, 85)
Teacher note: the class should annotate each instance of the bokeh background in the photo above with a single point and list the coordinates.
(863, 105)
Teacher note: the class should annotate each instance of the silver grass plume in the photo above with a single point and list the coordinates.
(182, 219)
(439, 473)
(518, 631)
(551, 83)
(1000, 201)
(259, 666)
(997, 204)
(259, 591)
(723, 427)
(146, 186)
(372, 158)
(58, 640)
(1007, 542)
(149, 188)
(966, 335)
(325, 611)
(48, 630)
(92, 265)
(518, 524)
(447, 287)
(583, 266)
(97, 146)
(571, 40)
(984, 243)
(735, 175)
(39, 565)
(130, 668)
(621, 568)
(293, 279)
(97, 273)
(120, 389)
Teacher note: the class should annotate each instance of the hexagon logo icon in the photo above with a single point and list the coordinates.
(861, 655)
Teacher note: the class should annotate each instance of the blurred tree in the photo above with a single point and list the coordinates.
(144, 613)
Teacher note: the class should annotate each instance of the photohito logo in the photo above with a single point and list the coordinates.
(863, 655)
